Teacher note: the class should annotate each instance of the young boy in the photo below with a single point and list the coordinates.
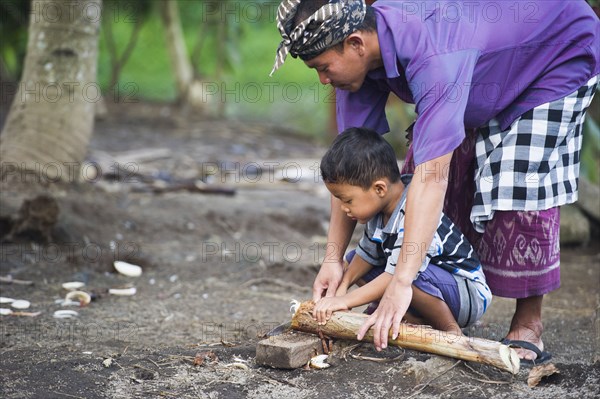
(449, 292)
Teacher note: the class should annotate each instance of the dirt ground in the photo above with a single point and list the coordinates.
(218, 272)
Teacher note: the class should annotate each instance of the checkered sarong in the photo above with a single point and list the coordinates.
(534, 164)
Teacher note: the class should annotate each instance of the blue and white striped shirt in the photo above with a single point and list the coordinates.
(449, 249)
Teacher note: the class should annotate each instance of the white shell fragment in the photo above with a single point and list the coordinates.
(295, 305)
(20, 304)
(83, 298)
(5, 311)
(73, 285)
(237, 365)
(318, 362)
(65, 314)
(128, 269)
(4, 299)
(123, 291)
(64, 303)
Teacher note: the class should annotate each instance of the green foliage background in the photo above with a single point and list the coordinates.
(293, 97)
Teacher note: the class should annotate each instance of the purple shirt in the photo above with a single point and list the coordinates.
(465, 63)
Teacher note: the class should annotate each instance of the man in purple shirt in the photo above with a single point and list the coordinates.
(518, 75)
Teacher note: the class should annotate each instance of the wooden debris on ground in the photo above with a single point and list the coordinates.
(128, 167)
(159, 186)
(9, 280)
(539, 372)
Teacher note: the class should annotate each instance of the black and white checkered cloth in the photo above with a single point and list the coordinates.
(534, 165)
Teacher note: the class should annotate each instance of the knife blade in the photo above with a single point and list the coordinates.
(280, 329)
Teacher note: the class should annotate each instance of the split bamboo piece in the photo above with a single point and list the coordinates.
(345, 325)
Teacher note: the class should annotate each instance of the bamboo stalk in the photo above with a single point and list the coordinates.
(417, 337)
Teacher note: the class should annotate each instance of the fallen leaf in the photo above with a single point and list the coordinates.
(203, 356)
(198, 359)
(538, 372)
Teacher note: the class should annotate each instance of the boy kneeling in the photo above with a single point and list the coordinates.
(449, 291)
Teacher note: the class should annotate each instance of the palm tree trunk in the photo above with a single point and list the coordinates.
(51, 118)
(189, 90)
(180, 62)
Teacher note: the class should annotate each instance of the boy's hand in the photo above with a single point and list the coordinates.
(325, 307)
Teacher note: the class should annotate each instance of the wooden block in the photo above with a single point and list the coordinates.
(289, 350)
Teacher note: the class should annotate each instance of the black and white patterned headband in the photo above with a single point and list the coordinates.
(330, 25)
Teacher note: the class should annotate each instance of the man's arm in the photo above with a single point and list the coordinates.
(424, 205)
(338, 237)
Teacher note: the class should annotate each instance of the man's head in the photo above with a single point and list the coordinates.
(359, 169)
(332, 36)
(306, 8)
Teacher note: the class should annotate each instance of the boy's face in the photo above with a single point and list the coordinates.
(358, 204)
(343, 70)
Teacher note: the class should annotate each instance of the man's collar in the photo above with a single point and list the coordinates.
(387, 49)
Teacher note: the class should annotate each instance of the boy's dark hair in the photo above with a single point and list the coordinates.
(359, 156)
(308, 7)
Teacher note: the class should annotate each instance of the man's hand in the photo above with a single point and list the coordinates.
(389, 314)
(328, 280)
(325, 308)
(338, 237)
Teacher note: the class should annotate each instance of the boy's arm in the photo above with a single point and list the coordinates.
(369, 292)
(358, 267)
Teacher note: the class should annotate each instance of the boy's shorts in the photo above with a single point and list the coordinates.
(459, 293)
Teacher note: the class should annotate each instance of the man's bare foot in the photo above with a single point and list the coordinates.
(527, 325)
(533, 335)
